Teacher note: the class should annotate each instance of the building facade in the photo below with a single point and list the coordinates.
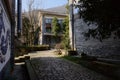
(46, 37)
(7, 11)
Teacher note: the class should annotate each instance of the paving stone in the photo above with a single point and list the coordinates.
(49, 67)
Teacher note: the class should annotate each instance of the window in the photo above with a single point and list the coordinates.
(60, 21)
(48, 20)
(48, 30)
(48, 27)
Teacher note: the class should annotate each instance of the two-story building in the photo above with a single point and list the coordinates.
(46, 36)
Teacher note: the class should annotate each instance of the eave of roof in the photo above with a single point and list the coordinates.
(59, 9)
(52, 13)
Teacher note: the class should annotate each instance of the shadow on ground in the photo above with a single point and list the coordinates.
(20, 72)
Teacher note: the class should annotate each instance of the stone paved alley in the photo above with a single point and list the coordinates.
(49, 67)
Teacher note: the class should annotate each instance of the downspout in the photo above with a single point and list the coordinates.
(12, 35)
(71, 24)
(19, 17)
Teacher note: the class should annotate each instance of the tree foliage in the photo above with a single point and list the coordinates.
(25, 31)
(105, 14)
(65, 23)
(66, 40)
(56, 28)
(32, 16)
(36, 37)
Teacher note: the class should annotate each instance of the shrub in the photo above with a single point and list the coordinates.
(21, 50)
(58, 48)
(72, 52)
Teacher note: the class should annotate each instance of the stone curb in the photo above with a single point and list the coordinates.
(31, 72)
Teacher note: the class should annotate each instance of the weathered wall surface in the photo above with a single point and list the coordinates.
(108, 48)
(5, 41)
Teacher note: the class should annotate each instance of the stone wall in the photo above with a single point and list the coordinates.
(109, 48)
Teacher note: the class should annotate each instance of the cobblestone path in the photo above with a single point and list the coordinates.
(49, 67)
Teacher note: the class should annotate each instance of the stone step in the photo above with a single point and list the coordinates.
(21, 58)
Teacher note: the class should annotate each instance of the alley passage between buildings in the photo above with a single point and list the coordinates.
(48, 66)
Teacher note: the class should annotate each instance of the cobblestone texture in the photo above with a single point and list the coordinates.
(49, 67)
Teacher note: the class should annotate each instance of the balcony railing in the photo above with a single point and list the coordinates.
(52, 34)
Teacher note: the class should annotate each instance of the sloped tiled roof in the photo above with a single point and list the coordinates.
(59, 9)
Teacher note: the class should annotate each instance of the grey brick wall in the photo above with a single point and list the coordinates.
(109, 48)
